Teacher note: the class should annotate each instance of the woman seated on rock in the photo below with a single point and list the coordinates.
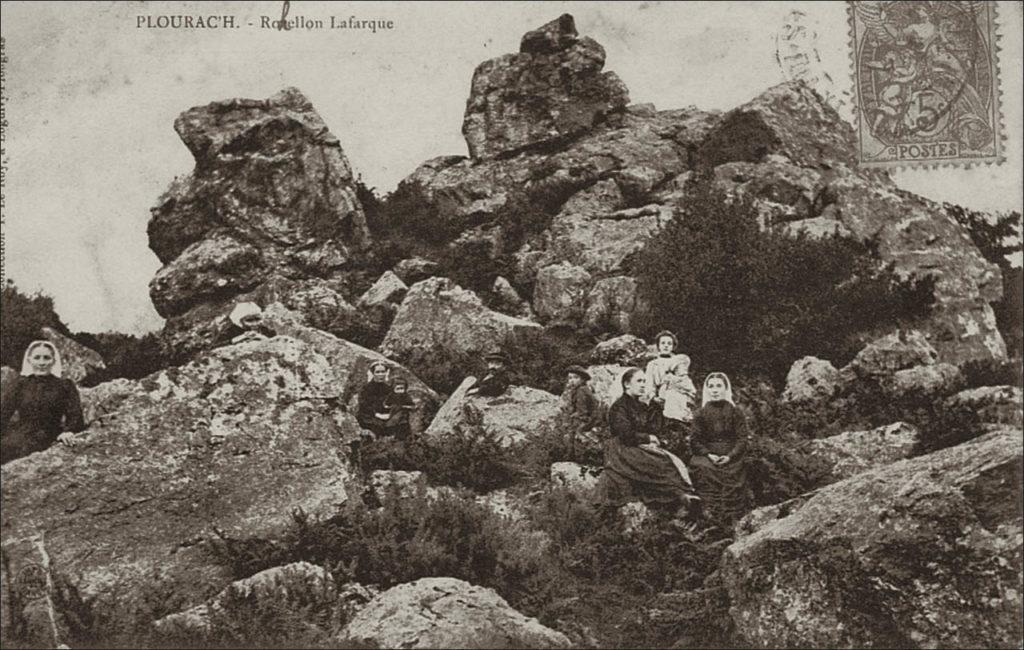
(371, 412)
(719, 440)
(48, 406)
(636, 466)
(245, 323)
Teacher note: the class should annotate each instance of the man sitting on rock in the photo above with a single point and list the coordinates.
(495, 382)
(581, 411)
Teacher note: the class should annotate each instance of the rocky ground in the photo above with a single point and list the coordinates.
(222, 501)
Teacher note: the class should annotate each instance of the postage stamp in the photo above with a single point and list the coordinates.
(926, 84)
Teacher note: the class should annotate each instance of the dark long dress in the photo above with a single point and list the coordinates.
(46, 406)
(371, 401)
(633, 472)
(720, 428)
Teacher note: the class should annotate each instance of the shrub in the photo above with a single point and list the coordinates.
(125, 355)
(23, 317)
(748, 299)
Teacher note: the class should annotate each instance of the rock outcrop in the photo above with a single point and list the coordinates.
(388, 290)
(440, 317)
(446, 613)
(237, 439)
(811, 380)
(514, 416)
(552, 90)
(853, 452)
(77, 360)
(925, 552)
(271, 196)
(574, 476)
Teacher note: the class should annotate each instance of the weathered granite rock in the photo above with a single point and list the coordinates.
(552, 90)
(1004, 404)
(271, 195)
(574, 476)
(604, 380)
(624, 350)
(936, 379)
(893, 352)
(925, 552)
(318, 303)
(387, 290)
(78, 361)
(811, 380)
(853, 452)
(612, 305)
(105, 399)
(305, 590)
(446, 613)
(514, 416)
(441, 316)
(560, 293)
(237, 439)
(509, 299)
(415, 269)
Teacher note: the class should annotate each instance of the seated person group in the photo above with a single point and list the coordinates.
(661, 450)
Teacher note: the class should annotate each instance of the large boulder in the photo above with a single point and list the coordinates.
(891, 353)
(922, 553)
(612, 305)
(935, 379)
(271, 195)
(560, 293)
(811, 380)
(624, 350)
(236, 440)
(446, 613)
(1002, 404)
(438, 315)
(387, 290)
(517, 415)
(604, 380)
(77, 360)
(552, 90)
(853, 452)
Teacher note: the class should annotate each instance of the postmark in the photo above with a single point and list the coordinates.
(799, 59)
(926, 83)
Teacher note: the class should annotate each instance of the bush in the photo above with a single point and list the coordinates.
(23, 318)
(125, 355)
(752, 300)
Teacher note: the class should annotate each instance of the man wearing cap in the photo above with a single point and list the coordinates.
(581, 410)
(495, 381)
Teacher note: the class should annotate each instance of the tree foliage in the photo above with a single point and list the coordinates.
(752, 300)
(22, 318)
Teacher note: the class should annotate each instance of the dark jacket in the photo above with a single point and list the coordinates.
(46, 406)
(493, 384)
(371, 401)
(632, 422)
(582, 408)
(720, 424)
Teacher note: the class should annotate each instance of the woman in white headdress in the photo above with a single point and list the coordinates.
(719, 442)
(636, 465)
(245, 323)
(48, 406)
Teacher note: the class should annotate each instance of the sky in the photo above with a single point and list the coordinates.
(91, 101)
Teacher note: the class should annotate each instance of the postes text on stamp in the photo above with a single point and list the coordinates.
(926, 82)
